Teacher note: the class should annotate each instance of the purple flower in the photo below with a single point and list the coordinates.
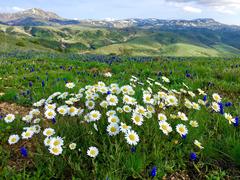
(53, 120)
(228, 104)
(28, 92)
(133, 149)
(43, 83)
(221, 108)
(193, 156)
(188, 75)
(109, 92)
(24, 152)
(236, 123)
(153, 171)
(30, 84)
(184, 136)
(205, 98)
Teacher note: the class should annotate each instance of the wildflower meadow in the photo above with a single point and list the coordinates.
(153, 118)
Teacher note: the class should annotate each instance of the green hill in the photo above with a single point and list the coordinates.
(126, 41)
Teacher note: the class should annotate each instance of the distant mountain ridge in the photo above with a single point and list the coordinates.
(39, 30)
(39, 17)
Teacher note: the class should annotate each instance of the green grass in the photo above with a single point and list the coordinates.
(130, 41)
(219, 159)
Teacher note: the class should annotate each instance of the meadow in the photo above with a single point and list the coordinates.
(112, 117)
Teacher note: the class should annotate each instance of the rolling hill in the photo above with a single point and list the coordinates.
(38, 30)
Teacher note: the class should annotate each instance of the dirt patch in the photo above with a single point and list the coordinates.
(6, 108)
(178, 176)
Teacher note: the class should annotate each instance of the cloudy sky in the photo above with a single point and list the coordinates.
(226, 11)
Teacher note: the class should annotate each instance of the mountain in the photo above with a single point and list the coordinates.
(39, 30)
(39, 17)
(34, 17)
(30, 13)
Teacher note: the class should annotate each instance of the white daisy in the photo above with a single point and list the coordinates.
(92, 151)
(182, 116)
(28, 118)
(70, 85)
(132, 137)
(56, 150)
(198, 144)
(147, 99)
(124, 127)
(72, 146)
(113, 129)
(195, 106)
(50, 106)
(113, 119)
(50, 114)
(48, 132)
(72, 111)
(56, 141)
(13, 139)
(127, 109)
(62, 110)
(47, 141)
(112, 100)
(182, 129)
(104, 104)
(90, 104)
(137, 119)
(111, 113)
(171, 100)
(27, 134)
(94, 115)
(194, 123)
(162, 117)
(216, 97)
(9, 118)
(215, 107)
(165, 127)
(229, 118)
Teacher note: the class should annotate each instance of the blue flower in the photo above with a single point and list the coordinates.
(24, 152)
(236, 123)
(28, 92)
(205, 98)
(153, 171)
(43, 83)
(109, 92)
(221, 108)
(184, 136)
(133, 149)
(53, 120)
(228, 104)
(30, 84)
(193, 156)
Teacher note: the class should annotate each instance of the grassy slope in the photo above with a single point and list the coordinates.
(114, 41)
(218, 160)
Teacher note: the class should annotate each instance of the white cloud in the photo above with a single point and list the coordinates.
(224, 10)
(11, 9)
(192, 9)
(16, 9)
(230, 7)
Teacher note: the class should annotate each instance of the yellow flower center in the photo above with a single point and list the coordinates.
(113, 129)
(56, 143)
(92, 152)
(137, 118)
(55, 150)
(131, 137)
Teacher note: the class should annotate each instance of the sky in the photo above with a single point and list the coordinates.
(225, 11)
